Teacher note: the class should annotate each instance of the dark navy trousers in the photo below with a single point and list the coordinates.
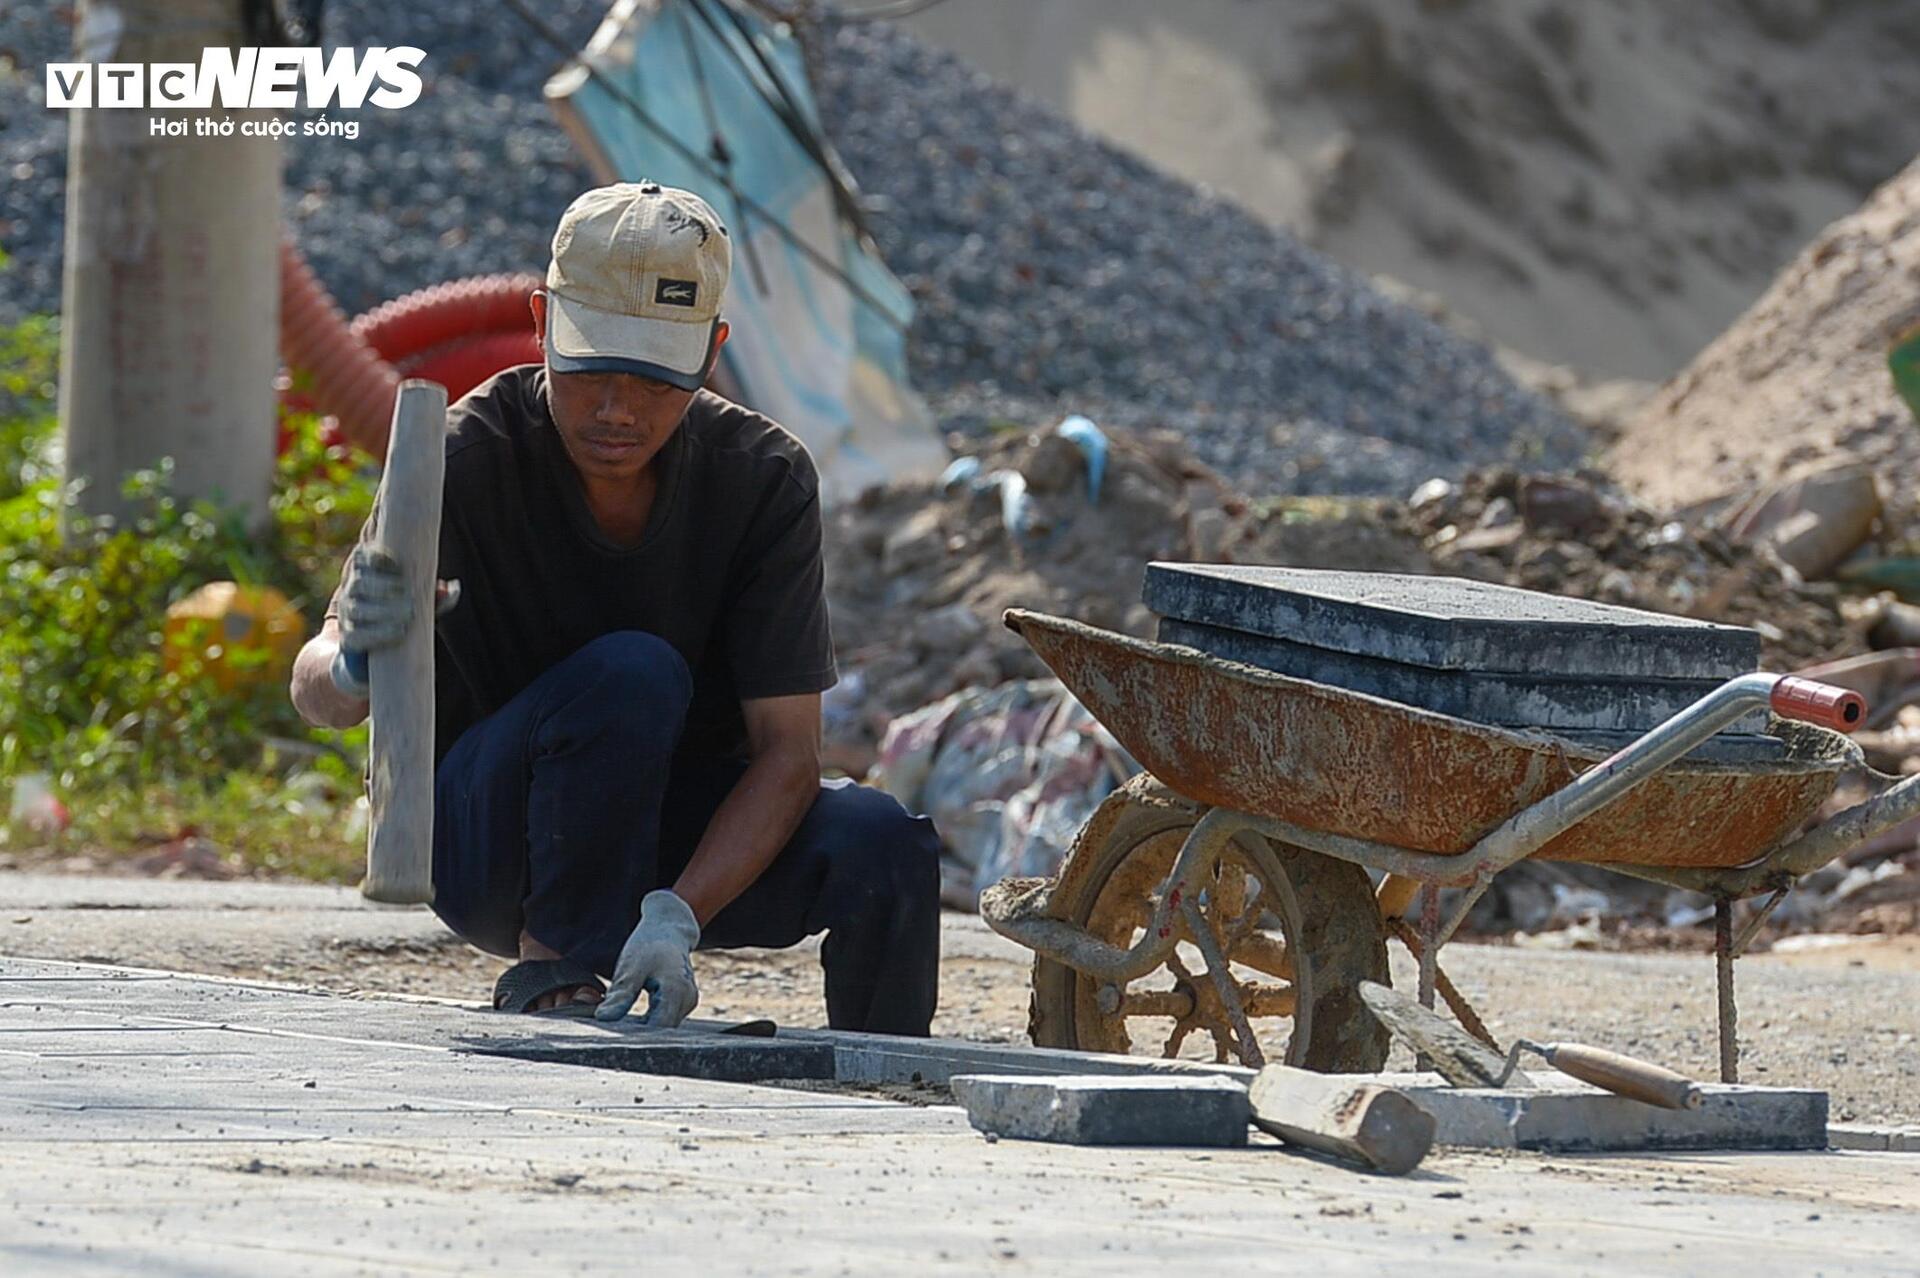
(558, 812)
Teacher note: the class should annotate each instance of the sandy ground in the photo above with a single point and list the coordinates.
(1841, 1013)
(1602, 185)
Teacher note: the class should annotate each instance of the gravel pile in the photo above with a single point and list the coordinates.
(470, 180)
(33, 160)
(1056, 273)
(1053, 272)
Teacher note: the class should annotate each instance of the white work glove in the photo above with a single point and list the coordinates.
(657, 958)
(375, 611)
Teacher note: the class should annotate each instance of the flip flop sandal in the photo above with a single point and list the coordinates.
(526, 981)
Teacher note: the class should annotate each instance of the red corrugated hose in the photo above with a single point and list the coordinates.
(444, 313)
(465, 362)
(347, 379)
(458, 334)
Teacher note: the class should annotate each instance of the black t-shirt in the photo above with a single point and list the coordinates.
(728, 571)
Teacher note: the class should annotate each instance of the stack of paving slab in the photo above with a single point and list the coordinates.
(1596, 674)
(1557, 1113)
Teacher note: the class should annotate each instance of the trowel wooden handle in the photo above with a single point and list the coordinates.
(1623, 1075)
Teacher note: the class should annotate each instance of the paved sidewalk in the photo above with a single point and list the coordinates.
(161, 1123)
(1844, 1018)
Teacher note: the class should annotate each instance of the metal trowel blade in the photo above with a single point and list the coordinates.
(1457, 1056)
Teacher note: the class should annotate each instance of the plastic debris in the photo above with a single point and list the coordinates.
(1009, 774)
(961, 471)
(1092, 443)
(34, 809)
(1016, 507)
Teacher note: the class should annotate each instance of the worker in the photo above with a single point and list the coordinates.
(630, 647)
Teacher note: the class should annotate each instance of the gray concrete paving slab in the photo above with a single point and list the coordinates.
(876, 1058)
(1449, 623)
(43, 1011)
(344, 1152)
(1575, 705)
(1843, 1020)
(30, 991)
(1563, 1113)
(1103, 1109)
(1899, 1140)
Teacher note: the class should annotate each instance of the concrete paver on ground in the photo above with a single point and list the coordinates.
(157, 1123)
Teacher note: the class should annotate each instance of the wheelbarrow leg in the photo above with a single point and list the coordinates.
(1723, 969)
(1429, 936)
(1429, 955)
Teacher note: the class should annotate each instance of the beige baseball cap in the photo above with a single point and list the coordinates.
(635, 284)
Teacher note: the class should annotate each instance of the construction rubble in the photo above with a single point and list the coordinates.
(948, 709)
(919, 572)
(1582, 536)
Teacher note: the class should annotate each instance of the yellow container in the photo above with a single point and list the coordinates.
(245, 635)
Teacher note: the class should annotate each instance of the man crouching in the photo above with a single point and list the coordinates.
(629, 655)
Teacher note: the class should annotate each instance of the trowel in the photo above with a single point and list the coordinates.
(1465, 1061)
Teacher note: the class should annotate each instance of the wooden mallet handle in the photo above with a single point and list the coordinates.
(400, 735)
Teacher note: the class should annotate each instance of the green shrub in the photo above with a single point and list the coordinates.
(29, 365)
(84, 691)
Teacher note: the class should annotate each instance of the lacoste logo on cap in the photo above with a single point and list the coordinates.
(676, 292)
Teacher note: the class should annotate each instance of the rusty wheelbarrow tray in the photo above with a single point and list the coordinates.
(1347, 764)
(1440, 800)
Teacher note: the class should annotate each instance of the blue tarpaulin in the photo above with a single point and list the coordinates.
(819, 322)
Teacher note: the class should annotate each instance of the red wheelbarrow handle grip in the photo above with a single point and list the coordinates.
(1822, 704)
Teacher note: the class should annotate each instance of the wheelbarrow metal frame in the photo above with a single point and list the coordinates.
(1017, 909)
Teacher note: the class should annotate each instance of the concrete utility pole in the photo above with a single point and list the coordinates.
(170, 313)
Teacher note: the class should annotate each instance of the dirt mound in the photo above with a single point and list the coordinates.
(1578, 535)
(919, 573)
(1802, 376)
(1599, 184)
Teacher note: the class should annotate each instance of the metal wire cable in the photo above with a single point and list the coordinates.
(886, 12)
(787, 109)
(722, 154)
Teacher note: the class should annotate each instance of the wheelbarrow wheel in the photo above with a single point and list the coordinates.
(1300, 931)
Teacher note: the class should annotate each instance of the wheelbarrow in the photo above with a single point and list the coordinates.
(1228, 885)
